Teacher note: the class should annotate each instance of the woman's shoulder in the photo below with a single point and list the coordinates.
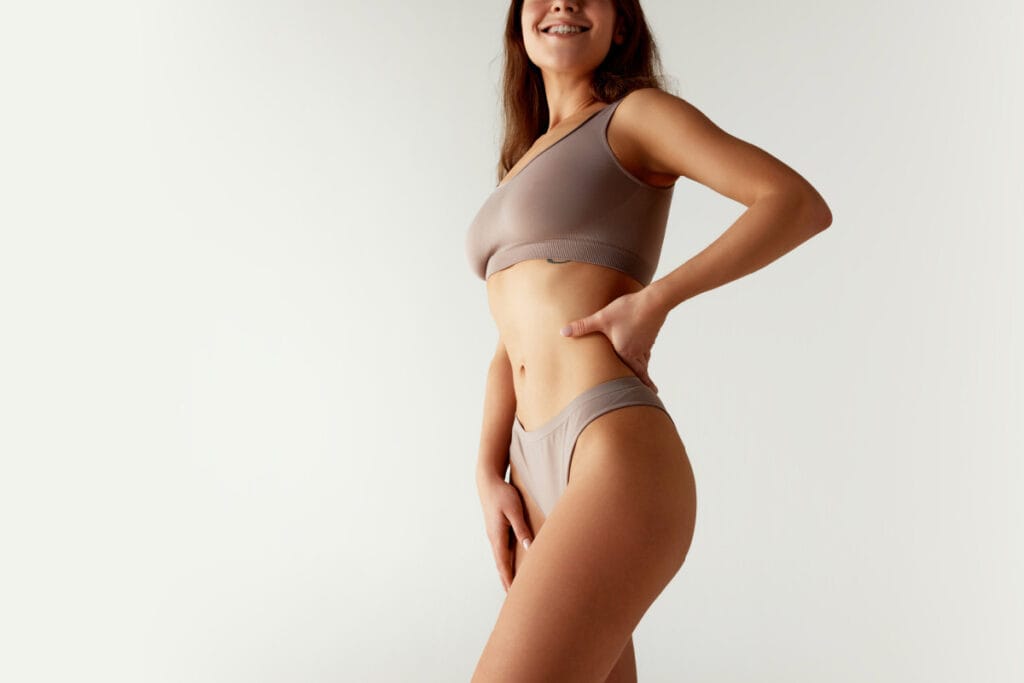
(647, 114)
(631, 138)
(636, 102)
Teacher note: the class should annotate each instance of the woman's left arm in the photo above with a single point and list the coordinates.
(673, 138)
(783, 210)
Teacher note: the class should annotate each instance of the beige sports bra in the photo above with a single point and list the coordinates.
(574, 201)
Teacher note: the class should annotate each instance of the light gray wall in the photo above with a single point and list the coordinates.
(242, 358)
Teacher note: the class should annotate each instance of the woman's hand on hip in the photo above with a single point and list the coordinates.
(631, 323)
(503, 511)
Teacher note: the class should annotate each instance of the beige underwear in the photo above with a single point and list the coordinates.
(542, 456)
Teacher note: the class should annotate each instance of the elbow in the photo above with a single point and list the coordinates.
(826, 216)
(807, 209)
(819, 209)
(817, 214)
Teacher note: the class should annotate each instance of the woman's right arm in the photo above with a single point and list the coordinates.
(500, 500)
(499, 411)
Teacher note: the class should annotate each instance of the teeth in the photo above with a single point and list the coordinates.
(562, 28)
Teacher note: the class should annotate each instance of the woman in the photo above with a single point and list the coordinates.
(600, 506)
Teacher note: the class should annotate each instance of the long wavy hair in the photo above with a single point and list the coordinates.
(632, 65)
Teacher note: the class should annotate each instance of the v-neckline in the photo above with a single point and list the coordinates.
(507, 181)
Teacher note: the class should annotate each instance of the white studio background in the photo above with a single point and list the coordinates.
(243, 356)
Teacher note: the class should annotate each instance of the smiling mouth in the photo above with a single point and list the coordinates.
(580, 29)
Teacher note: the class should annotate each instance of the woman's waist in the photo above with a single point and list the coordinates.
(548, 373)
(531, 302)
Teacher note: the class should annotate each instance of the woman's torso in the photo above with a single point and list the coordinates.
(530, 303)
(533, 298)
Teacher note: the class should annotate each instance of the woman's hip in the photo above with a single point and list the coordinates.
(619, 425)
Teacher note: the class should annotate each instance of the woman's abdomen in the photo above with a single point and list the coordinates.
(530, 303)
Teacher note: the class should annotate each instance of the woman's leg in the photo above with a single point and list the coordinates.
(611, 544)
(624, 670)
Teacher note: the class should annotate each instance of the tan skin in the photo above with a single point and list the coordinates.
(631, 498)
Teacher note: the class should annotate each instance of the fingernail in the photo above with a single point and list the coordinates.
(567, 330)
(526, 543)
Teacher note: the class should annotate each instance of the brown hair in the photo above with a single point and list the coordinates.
(632, 65)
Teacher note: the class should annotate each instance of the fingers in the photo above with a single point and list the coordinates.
(522, 530)
(502, 549)
(641, 371)
(648, 381)
(576, 328)
(502, 544)
(583, 326)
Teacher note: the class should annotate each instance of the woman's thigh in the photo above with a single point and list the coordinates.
(625, 668)
(610, 545)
